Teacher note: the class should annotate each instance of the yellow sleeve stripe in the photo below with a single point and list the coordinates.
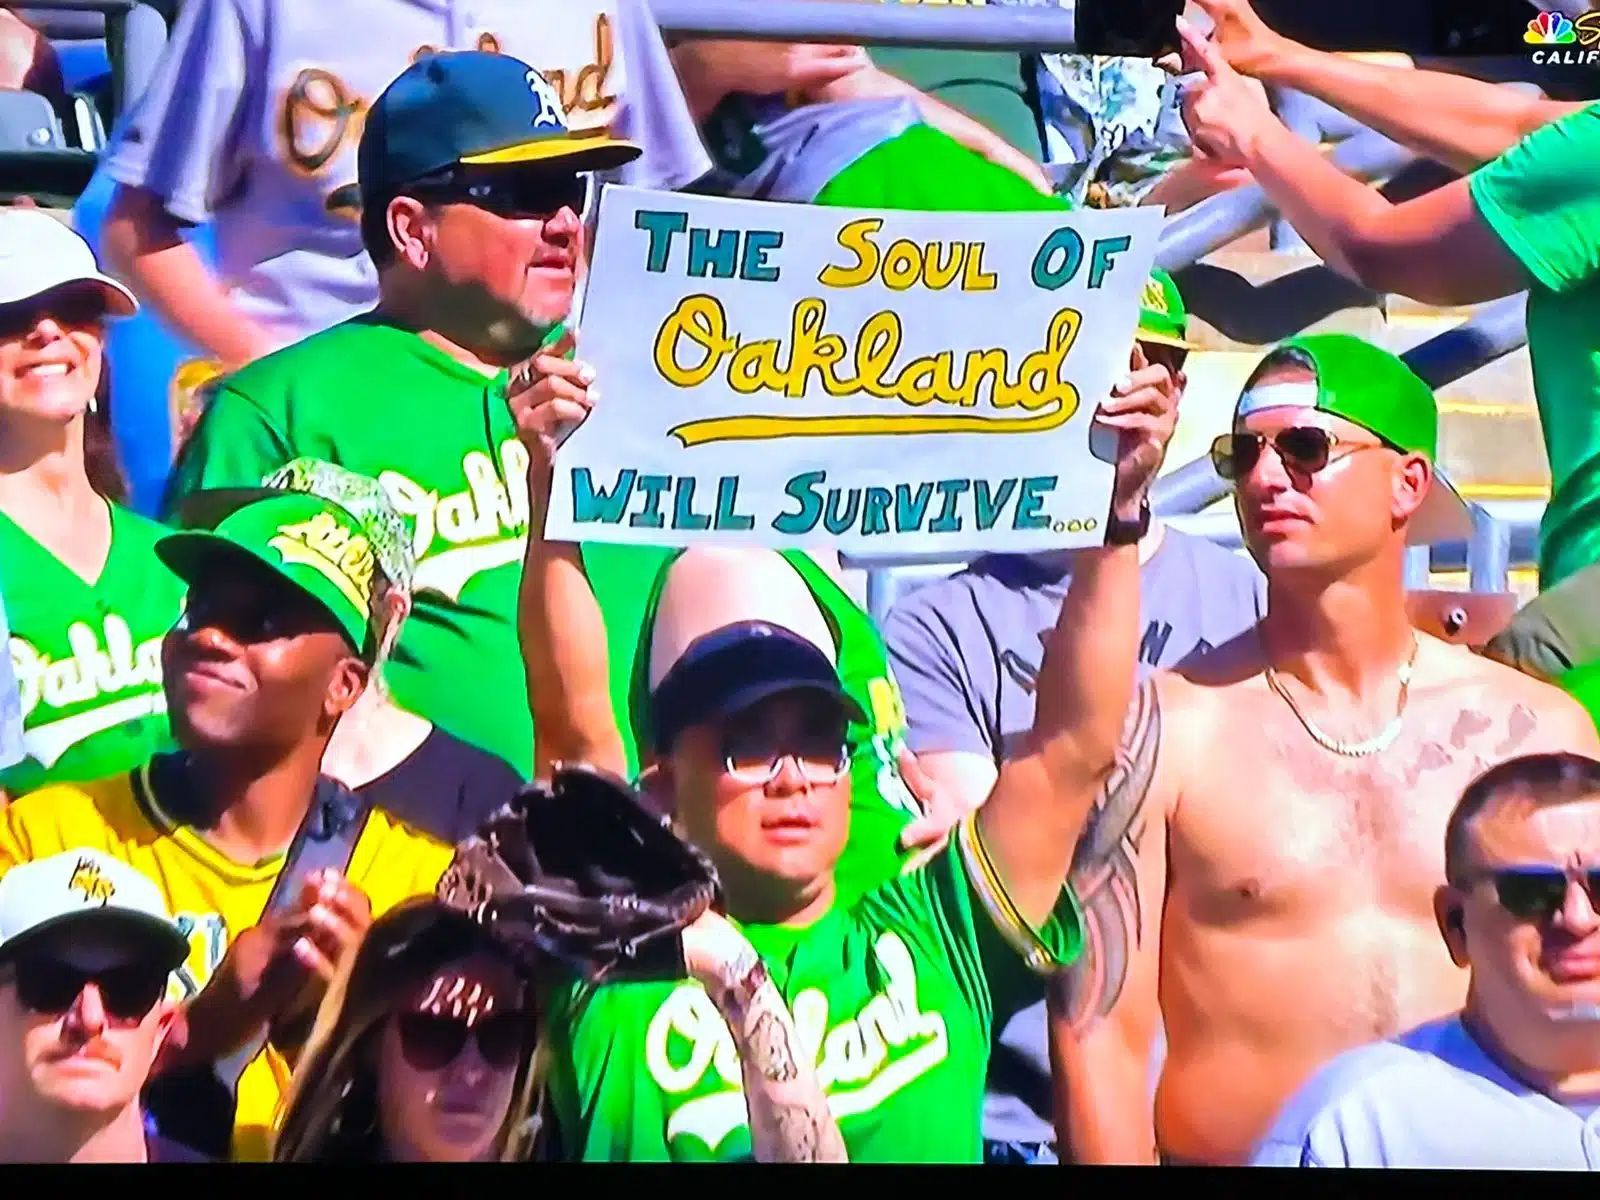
(997, 902)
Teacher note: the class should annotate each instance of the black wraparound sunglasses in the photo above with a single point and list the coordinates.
(1537, 893)
(50, 987)
(507, 193)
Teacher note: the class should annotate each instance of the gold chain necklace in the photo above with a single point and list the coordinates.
(1380, 741)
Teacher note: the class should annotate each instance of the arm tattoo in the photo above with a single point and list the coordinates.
(1104, 874)
(789, 1117)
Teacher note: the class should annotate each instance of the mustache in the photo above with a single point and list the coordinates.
(96, 1048)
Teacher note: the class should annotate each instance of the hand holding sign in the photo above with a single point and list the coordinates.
(549, 396)
(1143, 409)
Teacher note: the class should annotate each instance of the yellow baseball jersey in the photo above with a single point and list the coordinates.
(212, 897)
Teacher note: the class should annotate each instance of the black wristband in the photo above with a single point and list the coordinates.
(1120, 532)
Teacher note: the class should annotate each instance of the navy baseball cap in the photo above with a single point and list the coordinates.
(729, 669)
(472, 107)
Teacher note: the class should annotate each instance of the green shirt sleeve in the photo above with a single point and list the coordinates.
(235, 445)
(596, 1062)
(1000, 964)
(1542, 198)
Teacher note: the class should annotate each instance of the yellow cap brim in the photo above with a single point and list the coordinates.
(588, 151)
(1161, 339)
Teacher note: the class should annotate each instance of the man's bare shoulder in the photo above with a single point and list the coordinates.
(1452, 674)
(1202, 681)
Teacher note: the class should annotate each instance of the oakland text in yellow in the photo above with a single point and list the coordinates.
(695, 343)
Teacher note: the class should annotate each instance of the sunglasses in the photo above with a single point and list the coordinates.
(1306, 449)
(49, 987)
(72, 307)
(755, 756)
(431, 1043)
(509, 194)
(1537, 893)
(1159, 354)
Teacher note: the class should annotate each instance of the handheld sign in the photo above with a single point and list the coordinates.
(791, 375)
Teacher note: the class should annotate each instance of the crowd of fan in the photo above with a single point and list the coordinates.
(1147, 853)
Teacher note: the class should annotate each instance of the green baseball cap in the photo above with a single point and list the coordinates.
(1162, 316)
(471, 107)
(313, 544)
(1376, 390)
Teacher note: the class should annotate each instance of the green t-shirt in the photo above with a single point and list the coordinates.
(437, 435)
(896, 998)
(880, 804)
(988, 86)
(1542, 197)
(87, 656)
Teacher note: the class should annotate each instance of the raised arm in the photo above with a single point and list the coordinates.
(176, 153)
(1032, 820)
(1104, 1009)
(1458, 121)
(789, 1116)
(558, 618)
(1437, 248)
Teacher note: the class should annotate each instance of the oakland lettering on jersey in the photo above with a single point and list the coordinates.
(321, 115)
(127, 678)
(458, 536)
(861, 1061)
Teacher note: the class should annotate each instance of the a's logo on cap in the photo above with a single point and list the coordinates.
(549, 113)
(1155, 297)
(330, 549)
(88, 880)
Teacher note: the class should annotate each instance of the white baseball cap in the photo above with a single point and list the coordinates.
(39, 253)
(85, 886)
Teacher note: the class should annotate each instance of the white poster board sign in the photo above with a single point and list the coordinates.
(881, 382)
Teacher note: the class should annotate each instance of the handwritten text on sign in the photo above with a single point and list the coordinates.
(880, 381)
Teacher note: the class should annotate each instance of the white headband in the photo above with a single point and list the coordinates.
(1277, 395)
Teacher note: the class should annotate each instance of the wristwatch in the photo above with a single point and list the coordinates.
(1120, 532)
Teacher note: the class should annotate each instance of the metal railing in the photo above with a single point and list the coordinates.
(989, 27)
(1505, 535)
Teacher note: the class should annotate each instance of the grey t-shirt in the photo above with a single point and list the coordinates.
(253, 118)
(966, 652)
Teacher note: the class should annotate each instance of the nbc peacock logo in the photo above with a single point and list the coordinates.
(1550, 29)
(1562, 41)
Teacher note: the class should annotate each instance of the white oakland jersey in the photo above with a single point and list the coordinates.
(256, 108)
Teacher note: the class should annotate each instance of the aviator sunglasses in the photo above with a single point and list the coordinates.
(1537, 893)
(1303, 448)
(49, 987)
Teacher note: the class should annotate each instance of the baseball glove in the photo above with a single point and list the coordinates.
(582, 876)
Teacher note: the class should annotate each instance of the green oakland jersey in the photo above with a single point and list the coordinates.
(880, 804)
(437, 435)
(895, 999)
(87, 656)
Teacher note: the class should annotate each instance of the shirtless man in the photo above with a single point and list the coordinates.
(1279, 850)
